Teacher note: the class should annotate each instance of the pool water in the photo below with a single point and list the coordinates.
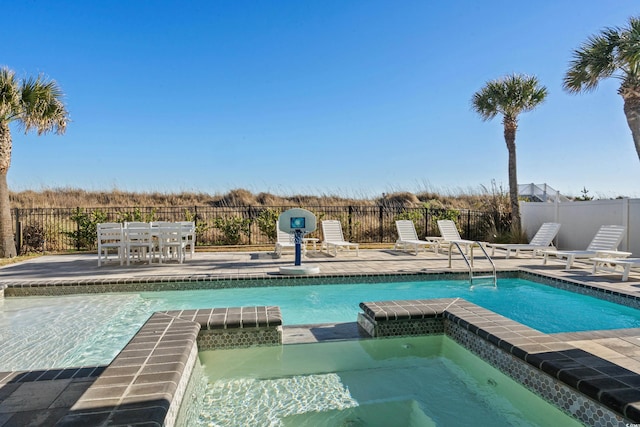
(541, 307)
(89, 330)
(414, 382)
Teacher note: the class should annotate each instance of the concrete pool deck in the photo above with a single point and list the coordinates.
(48, 400)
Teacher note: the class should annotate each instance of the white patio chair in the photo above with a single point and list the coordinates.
(188, 235)
(133, 224)
(408, 237)
(286, 241)
(604, 245)
(159, 223)
(138, 241)
(110, 237)
(543, 239)
(171, 243)
(333, 238)
(450, 235)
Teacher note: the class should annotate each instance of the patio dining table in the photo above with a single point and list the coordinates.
(142, 241)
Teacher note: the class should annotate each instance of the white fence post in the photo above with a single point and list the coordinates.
(625, 222)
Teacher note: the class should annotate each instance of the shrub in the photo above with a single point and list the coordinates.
(33, 238)
(495, 224)
(266, 220)
(450, 214)
(85, 234)
(202, 226)
(232, 228)
(137, 216)
(413, 215)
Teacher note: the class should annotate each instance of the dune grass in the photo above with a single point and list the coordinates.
(479, 199)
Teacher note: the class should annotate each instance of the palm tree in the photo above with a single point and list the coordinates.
(509, 96)
(615, 52)
(34, 104)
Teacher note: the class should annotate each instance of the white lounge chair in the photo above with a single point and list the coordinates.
(286, 241)
(543, 239)
(333, 238)
(604, 245)
(408, 237)
(451, 236)
(612, 264)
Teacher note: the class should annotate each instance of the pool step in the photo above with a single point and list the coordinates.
(381, 414)
(484, 277)
(483, 280)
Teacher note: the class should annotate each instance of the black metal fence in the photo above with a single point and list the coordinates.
(63, 229)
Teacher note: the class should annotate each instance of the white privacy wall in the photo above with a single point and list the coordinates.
(581, 220)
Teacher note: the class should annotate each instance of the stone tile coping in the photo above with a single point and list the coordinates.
(195, 282)
(536, 276)
(42, 398)
(231, 317)
(407, 309)
(613, 386)
(50, 374)
(145, 382)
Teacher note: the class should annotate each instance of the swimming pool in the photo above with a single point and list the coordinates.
(411, 381)
(80, 330)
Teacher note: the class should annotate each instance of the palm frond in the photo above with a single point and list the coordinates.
(9, 94)
(43, 109)
(509, 96)
(629, 48)
(614, 52)
(594, 61)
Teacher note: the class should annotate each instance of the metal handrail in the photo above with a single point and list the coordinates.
(470, 262)
(493, 266)
(466, 260)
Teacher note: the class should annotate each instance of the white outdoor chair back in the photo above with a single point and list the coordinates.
(332, 231)
(133, 224)
(283, 237)
(110, 236)
(545, 234)
(171, 242)
(406, 230)
(161, 223)
(448, 230)
(139, 241)
(189, 235)
(607, 238)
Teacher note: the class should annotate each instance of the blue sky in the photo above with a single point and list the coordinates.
(353, 98)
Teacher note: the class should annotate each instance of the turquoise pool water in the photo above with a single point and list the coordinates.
(77, 330)
(539, 306)
(413, 382)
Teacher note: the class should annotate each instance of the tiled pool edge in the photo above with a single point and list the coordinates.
(201, 282)
(173, 283)
(593, 390)
(616, 296)
(147, 380)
